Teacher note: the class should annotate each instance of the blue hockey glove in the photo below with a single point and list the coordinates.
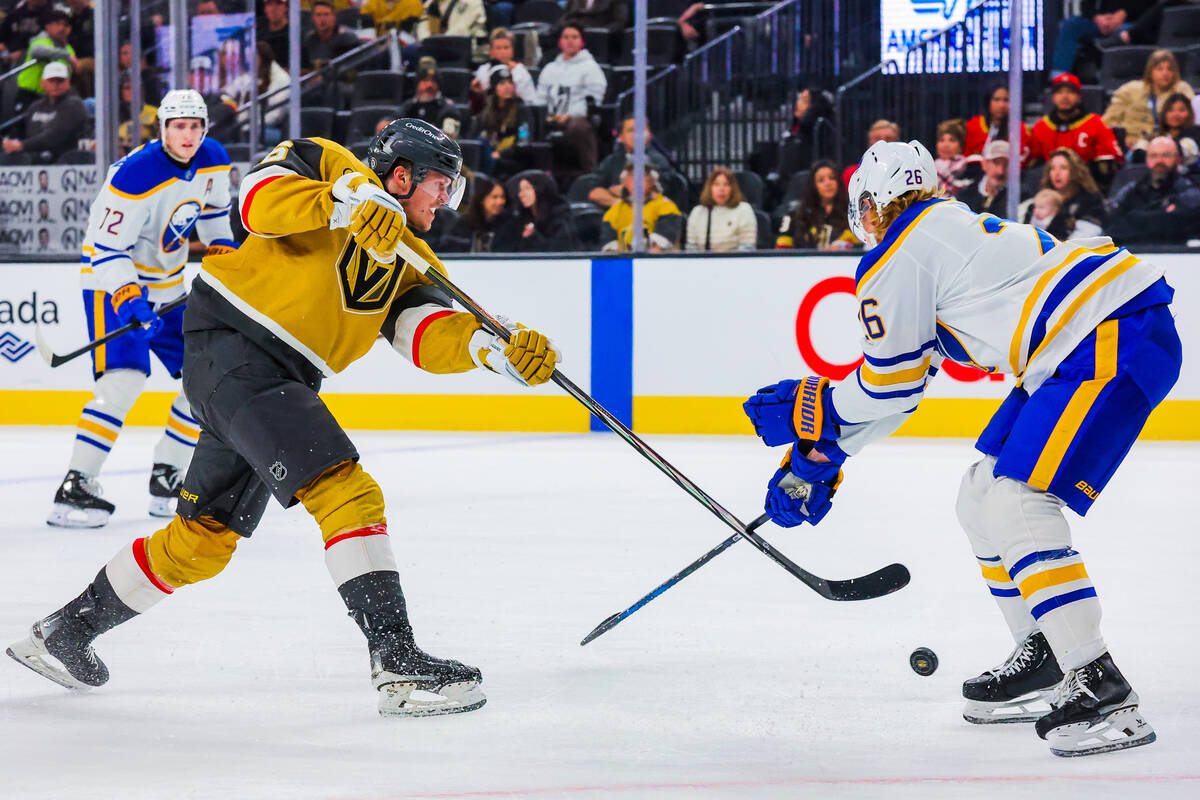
(792, 499)
(795, 412)
(131, 306)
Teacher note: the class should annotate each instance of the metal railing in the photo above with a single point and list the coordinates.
(944, 76)
(739, 89)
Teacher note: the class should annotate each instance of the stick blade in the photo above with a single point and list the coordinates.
(43, 347)
(891, 578)
(601, 629)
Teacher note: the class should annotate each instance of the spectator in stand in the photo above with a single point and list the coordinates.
(993, 124)
(819, 221)
(661, 218)
(430, 105)
(812, 105)
(19, 26)
(150, 88)
(390, 14)
(565, 86)
(1082, 213)
(1045, 211)
(271, 78)
(881, 131)
(543, 218)
(327, 40)
(501, 52)
(487, 227)
(55, 122)
(950, 162)
(207, 8)
(1100, 19)
(990, 194)
(723, 221)
(147, 117)
(1178, 120)
(608, 172)
(1068, 125)
(1148, 24)
(1135, 105)
(610, 14)
(453, 18)
(275, 31)
(501, 121)
(83, 42)
(50, 45)
(1161, 208)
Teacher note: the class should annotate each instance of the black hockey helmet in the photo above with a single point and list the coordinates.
(421, 147)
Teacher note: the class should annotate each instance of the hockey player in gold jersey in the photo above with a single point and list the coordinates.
(309, 292)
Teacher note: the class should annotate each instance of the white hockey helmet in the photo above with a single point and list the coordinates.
(887, 170)
(182, 104)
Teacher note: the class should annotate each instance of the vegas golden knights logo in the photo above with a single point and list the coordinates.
(367, 285)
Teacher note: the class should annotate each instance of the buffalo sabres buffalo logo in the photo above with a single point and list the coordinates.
(367, 285)
(179, 225)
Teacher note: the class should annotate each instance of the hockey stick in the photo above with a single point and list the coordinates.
(56, 360)
(883, 581)
(604, 415)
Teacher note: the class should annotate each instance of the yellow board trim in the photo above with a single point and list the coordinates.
(1173, 420)
(1078, 407)
(892, 378)
(1053, 577)
(996, 574)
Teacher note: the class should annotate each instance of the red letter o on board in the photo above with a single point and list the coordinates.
(840, 284)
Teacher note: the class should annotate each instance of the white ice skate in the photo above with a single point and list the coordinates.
(399, 696)
(1095, 711)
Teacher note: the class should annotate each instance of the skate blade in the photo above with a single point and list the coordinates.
(162, 506)
(405, 700)
(30, 652)
(1027, 708)
(65, 516)
(1119, 730)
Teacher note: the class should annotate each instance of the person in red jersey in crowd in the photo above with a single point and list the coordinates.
(1069, 126)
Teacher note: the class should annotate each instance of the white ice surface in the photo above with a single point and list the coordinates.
(739, 682)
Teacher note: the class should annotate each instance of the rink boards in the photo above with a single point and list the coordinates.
(675, 344)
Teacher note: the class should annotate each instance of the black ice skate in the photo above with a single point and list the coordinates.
(1018, 690)
(165, 481)
(410, 682)
(1095, 711)
(78, 504)
(59, 647)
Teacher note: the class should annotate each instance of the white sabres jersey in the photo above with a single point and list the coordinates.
(140, 221)
(1000, 296)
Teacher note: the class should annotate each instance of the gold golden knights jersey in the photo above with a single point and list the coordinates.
(315, 288)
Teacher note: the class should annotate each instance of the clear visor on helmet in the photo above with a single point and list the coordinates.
(857, 213)
(445, 190)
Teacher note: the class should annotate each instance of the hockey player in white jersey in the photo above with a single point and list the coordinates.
(1086, 329)
(132, 262)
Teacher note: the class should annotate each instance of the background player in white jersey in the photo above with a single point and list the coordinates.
(133, 258)
(1086, 329)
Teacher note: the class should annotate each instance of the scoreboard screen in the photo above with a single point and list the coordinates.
(975, 37)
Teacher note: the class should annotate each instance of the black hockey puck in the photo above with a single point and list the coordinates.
(923, 661)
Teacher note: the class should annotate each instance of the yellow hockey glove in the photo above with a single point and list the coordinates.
(372, 216)
(528, 357)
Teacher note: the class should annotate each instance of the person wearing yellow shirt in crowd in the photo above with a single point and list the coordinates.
(662, 219)
(390, 14)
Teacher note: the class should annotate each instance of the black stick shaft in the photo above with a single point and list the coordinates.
(622, 430)
(58, 360)
(616, 619)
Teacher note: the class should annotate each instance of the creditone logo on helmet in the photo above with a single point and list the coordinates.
(179, 225)
(432, 134)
